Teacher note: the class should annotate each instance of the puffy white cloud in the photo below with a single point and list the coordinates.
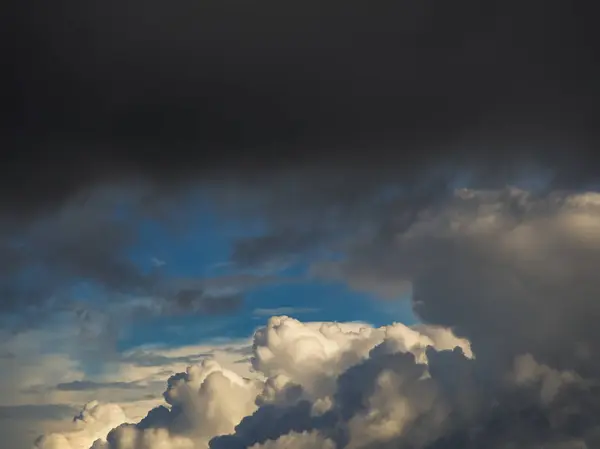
(304, 379)
(93, 423)
(46, 376)
(347, 385)
(210, 400)
(314, 354)
(205, 401)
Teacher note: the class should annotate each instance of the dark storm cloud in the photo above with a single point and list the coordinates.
(231, 88)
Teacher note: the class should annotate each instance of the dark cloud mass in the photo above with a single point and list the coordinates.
(195, 90)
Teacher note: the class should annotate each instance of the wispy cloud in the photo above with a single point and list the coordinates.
(85, 385)
(37, 411)
(260, 312)
(157, 262)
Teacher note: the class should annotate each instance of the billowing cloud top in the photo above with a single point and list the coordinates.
(302, 372)
(94, 421)
(337, 385)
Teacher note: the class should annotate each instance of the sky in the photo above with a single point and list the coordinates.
(228, 224)
(203, 254)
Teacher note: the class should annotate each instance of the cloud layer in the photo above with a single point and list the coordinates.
(505, 282)
(296, 81)
(303, 105)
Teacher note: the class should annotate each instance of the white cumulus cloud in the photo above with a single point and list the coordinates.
(298, 367)
(93, 423)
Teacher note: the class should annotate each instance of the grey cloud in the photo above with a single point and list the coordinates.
(354, 105)
(37, 412)
(208, 295)
(283, 311)
(449, 418)
(234, 282)
(141, 358)
(86, 385)
(314, 213)
(274, 248)
(244, 350)
(90, 240)
(20, 424)
(509, 270)
(197, 301)
(270, 422)
(76, 243)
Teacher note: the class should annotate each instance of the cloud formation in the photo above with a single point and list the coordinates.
(506, 357)
(353, 386)
(205, 401)
(509, 269)
(431, 73)
(93, 422)
(49, 373)
(312, 108)
(299, 368)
